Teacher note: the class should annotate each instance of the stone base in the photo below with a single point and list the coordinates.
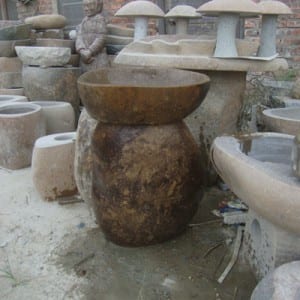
(267, 246)
(10, 64)
(10, 79)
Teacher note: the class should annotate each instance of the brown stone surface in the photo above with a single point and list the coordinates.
(83, 156)
(145, 180)
(58, 84)
(7, 48)
(141, 96)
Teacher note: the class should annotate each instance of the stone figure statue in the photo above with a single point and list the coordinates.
(90, 38)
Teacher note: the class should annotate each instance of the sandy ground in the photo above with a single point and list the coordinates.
(53, 251)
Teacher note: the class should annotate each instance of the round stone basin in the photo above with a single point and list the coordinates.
(258, 169)
(284, 120)
(141, 95)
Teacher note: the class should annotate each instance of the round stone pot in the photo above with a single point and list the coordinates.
(5, 99)
(83, 156)
(53, 165)
(20, 125)
(18, 91)
(59, 116)
(145, 181)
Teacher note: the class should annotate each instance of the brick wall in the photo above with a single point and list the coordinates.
(288, 33)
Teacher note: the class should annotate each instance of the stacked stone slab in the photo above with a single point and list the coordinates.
(12, 33)
(51, 81)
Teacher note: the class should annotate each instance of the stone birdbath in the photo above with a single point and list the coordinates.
(146, 169)
(219, 112)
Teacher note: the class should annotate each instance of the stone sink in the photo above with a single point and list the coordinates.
(258, 169)
(284, 120)
(141, 95)
(15, 32)
(44, 56)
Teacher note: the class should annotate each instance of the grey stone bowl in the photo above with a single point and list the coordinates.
(44, 56)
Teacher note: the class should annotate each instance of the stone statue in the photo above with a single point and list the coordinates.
(90, 39)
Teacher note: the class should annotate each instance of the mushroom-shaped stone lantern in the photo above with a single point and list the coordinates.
(182, 14)
(270, 11)
(141, 11)
(228, 12)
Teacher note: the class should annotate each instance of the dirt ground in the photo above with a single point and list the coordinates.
(53, 251)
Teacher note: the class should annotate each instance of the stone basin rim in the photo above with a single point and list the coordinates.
(203, 79)
(270, 113)
(29, 108)
(274, 194)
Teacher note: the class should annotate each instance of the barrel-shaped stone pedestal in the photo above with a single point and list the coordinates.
(20, 125)
(52, 83)
(145, 181)
(53, 165)
(59, 116)
(146, 169)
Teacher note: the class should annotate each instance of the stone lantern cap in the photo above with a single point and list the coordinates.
(274, 8)
(183, 11)
(140, 9)
(245, 8)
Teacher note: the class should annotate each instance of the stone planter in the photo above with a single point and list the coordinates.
(5, 99)
(20, 125)
(52, 84)
(56, 43)
(10, 79)
(18, 91)
(7, 48)
(44, 56)
(10, 64)
(53, 165)
(146, 169)
(59, 116)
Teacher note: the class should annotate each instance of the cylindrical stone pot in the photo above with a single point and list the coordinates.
(20, 125)
(17, 91)
(83, 156)
(53, 165)
(52, 84)
(5, 99)
(59, 116)
(10, 64)
(10, 79)
(145, 181)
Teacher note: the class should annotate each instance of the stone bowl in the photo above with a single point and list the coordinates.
(7, 48)
(15, 32)
(44, 56)
(141, 95)
(56, 43)
(284, 120)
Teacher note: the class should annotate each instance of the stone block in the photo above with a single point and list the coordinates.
(267, 246)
